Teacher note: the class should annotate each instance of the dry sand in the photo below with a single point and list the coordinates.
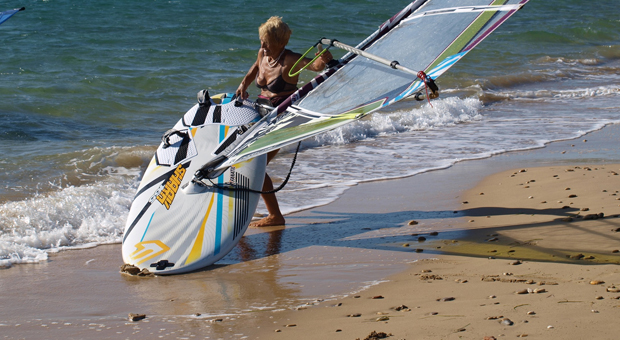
(538, 262)
(520, 231)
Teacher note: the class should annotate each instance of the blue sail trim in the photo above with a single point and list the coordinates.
(4, 16)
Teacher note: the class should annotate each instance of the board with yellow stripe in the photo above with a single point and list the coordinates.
(176, 225)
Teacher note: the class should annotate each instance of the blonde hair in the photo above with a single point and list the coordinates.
(275, 30)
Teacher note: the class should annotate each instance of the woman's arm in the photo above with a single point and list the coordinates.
(319, 64)
(249, 78)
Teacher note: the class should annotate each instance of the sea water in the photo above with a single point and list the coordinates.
(87, 88)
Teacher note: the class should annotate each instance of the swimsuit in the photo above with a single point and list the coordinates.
(278, 85)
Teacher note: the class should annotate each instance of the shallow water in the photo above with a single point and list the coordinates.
(87, 89)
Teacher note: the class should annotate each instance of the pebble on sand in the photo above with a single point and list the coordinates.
(374, 335)
(507, 322)
(136, 317)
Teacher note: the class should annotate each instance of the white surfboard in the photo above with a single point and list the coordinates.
(176, 225)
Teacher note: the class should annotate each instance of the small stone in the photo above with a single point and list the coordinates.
(130, 269)
(585, 209)
(434, 233)
(450, 298)
(355, 315)
(419, 250)
(613, 289)
(421, 239)
(516, 263)
(615, 251)
(197, 314)
(549, 327)
(401, 307)
(412, 222)
(531, 313)
(465, 202)
(383, 318)
(278, 330)
(374, 335)
(522, 291)
(507, 322)
(291, 325)
(495, 317)
(596, 282)
(338, 330)
(523, 170)
(539, 290)
(426, 271)
(406, 245)
(377, 297)
(599, 297)
(594, 311)
(136, 317)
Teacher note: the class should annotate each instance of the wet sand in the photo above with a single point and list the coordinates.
(325, 267)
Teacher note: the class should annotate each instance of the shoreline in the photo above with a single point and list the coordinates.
(324, 253)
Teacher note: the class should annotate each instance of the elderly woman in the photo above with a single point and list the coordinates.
(271, 74)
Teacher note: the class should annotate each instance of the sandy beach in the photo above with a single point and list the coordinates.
(523, 244)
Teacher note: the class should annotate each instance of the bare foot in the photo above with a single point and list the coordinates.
(269, 221)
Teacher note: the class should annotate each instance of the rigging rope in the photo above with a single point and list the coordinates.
(427, 80)
(241, 188)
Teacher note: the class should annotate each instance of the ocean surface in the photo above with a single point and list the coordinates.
(87, 88)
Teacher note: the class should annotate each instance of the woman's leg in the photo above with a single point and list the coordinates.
(271, 202)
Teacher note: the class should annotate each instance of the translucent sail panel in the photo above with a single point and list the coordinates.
(434, 32)
(428, 35)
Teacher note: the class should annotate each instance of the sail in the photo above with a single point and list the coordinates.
(4, 16)
(428, 35)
